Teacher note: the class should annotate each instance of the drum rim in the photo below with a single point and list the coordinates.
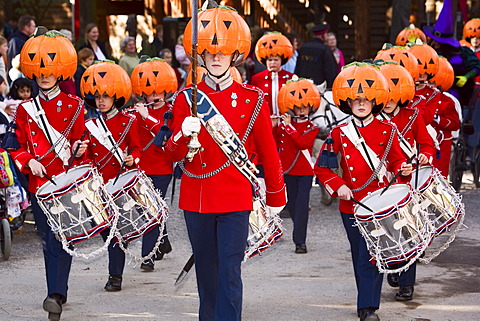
(46, 196)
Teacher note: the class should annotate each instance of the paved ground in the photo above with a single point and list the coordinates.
(279, 286)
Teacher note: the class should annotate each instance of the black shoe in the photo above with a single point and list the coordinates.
(114, 283)
(53, 305)
(368, 314)
(300, 248)
(392, 279)
(148, 265)
(405, 293)
(164, 248)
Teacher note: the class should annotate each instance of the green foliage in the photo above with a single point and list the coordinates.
(37, 8)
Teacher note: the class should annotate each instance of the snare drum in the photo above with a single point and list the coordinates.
(393, 232)
(264, 231)
(140, 205)
(78, 207)
(437, 197)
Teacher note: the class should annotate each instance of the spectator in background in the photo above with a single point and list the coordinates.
(130, 59)
(315, 60)
(92, 41)
(153, 48)
(3, 88)
(337, 53)
(167, 55)
(3, 64)
(85, 60)
(67, 33)
(182, 59)
(292, 62)
(10, 27)
(26, 26)
(14, 73)
(20, 90)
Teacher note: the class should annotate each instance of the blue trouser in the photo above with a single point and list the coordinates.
(298, 192)
(367, 277)
(116, 256)
(408, 277)
(218, 242)
(57, 261)
(150, 238)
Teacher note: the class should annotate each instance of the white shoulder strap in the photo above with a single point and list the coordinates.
(102, 136)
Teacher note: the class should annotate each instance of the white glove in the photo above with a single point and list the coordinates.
(272, 211)
(191, 125)
(142, 110)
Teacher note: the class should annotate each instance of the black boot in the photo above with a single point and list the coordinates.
(392, 279)
(114, 283)
(164, 248)
(405, 293)
(148, 265)
(53, 305)
(368, 314)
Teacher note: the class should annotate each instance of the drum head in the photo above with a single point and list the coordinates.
(64, 180)
(123, 180)
(377, 203)
(424, 174)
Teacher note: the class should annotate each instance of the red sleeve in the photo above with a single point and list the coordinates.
(301, 141)
(176, 146)
(422, 137)
(447, 116)
(133, 142)
(22, 155)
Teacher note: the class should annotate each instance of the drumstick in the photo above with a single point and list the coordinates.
(186, 268)
(361, 204)
(418, 167)
(76, 151)
(396, 176)
(49, 178)
(122, 167)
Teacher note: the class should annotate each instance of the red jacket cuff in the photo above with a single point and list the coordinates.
(278, 198)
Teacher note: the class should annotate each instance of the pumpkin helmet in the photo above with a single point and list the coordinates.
(360, 80)
(106, 77)
(153, 75)
(201, 72)
(298, 92)
(273, 44)
(402, 56)
(445, 76)
(400, 82)
(48, 54)
(471, 29)
(465, 43)
(220, 29)
(427, 58)
(410, 34)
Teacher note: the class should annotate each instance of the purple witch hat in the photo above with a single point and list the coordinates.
(442, 32)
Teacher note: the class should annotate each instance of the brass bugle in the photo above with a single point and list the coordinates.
(131, 110)
(278, 117)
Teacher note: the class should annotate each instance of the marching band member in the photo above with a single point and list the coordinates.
(115, 144)
(446, 117)
(411, 132)
(295, 137)
(49, 128)
(273, 50)
(215, 193)
(361, 90)
(154, 79)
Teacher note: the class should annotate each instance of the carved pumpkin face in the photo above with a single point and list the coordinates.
(106, 77)
(201, 72)
(427, 59)
(400, 82)
(273, 44)
(220, 29)
(301, 92)
(153, 75)
(403, 57)
(471, 29)
(445, 76)
(360, 80)
(49, 54)
(410, 34)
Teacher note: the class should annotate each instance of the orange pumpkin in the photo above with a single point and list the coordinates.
(201, 72)
(400, 82)
(427, 58)
(298, 92)
(49, 54)
(273, 44)
(402, 56)
(410, 34)
(360, 80)
(471, 29)
(153, 75)
(220, 29)
(465, 43)
(445, 76)
(106, 77)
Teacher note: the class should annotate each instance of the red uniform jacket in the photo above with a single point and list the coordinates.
(227, 190)
(291, 140)
(427, 105)
(124, 128)
(263, 80)
(154, 160)
(356, 170)
(60, 111)
(411, 126)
